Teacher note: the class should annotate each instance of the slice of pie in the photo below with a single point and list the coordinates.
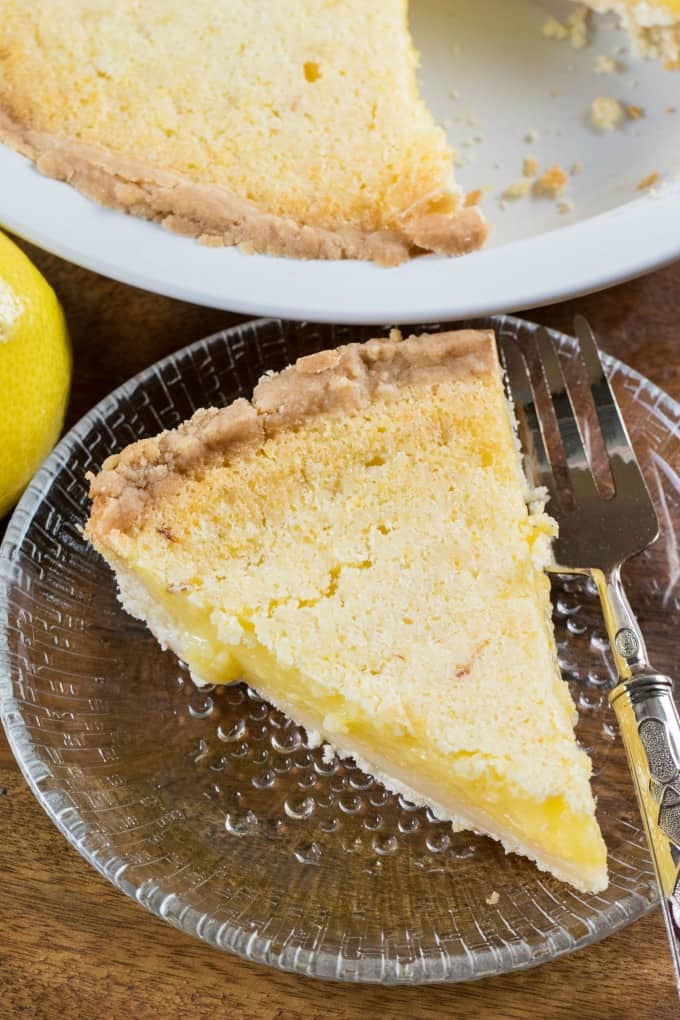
(360, 543)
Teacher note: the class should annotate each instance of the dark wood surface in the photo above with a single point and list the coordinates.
(73, 946)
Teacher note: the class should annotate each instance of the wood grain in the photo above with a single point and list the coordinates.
(71, 945)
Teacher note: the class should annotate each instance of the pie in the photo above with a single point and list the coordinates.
(291, 127)
(359, 542)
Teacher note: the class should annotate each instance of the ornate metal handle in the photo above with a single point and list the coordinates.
(650, 729)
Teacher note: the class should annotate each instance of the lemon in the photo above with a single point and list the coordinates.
(35, 371)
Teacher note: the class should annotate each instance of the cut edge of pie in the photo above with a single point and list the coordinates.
(560, 834)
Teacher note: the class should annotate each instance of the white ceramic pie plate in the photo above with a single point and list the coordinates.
(492, 80)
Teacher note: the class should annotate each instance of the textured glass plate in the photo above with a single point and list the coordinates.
(206, 806)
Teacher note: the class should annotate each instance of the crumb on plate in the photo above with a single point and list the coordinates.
(474, 197)
(551, 183)
(518, 190)
(605, 64)
(554, 29)
(649, 181)
(605, 113)
(635, 112)
(530, 166)
(579, 27)
(576, 28)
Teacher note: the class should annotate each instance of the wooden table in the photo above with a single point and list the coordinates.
(71, 945)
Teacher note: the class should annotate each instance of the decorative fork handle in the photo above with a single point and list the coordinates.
(650, 729)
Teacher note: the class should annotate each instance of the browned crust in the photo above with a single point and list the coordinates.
(217, 216)
(337, 381)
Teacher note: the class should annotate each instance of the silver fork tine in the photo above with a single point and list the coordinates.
(580, 475)
(622, 461)
(520, 389)
(589, 352)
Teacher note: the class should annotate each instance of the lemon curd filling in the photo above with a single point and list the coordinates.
(367, 560)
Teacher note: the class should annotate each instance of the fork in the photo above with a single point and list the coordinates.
(596, 536)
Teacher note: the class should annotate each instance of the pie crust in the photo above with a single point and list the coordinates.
(329, 382)
(216, 216)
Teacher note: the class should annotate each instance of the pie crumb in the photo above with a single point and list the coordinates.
(530, 166)
(579, 27)
(554, 29)
(517, 190)
(565, 206)
(635, 112)
(493, 899)
(605, 65)
(531, 136)
(551, 183)
(605, 113)
(576, 169)
(649, 181)
(474, 197)
(575, 29)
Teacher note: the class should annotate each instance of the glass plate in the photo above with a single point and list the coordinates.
(206, 805)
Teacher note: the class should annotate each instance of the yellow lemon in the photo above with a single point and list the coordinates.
(35, 371)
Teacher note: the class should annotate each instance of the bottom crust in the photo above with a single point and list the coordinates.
(218, 217)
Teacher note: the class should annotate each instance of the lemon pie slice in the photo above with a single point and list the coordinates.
(360, 543)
